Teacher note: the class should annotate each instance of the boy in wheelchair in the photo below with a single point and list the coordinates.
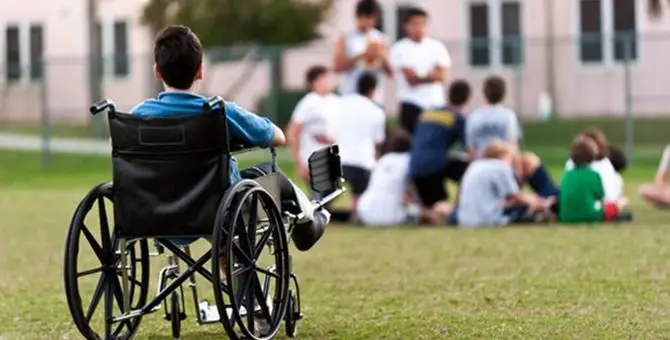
(178, 56)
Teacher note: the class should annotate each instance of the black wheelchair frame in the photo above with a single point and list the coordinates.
(247, 220)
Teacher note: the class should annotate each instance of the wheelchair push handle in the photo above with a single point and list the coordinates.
(213, 103)
(102, 106)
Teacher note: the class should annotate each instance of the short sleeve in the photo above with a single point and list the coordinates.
(302, 112)
(248, 126)
(442, 54)
(505, 181)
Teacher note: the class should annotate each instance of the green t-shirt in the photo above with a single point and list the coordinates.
(581, 196)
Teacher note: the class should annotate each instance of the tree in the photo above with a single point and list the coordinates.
(223, 23)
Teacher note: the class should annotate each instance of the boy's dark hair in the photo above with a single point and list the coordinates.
(314, 73)
(582, 151)
(367, 8)
(494, 89)
(601, 141)
(178, 56)
(367, 83)
(414, 12)
(459, 92)
(398, 140)
(618, 158)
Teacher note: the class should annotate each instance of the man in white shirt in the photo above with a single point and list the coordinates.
(421, 65)
(309, 128)
(361, 50)
(359, 129)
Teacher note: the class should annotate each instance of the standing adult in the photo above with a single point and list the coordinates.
(361, 50)
(421, 65)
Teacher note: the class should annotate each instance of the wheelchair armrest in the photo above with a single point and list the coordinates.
(325, 170)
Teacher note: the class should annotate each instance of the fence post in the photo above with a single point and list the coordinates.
(628, 87)
(45, 117)
(94, 62)
(518, 79)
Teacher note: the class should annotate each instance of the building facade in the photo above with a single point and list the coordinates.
(595, 57)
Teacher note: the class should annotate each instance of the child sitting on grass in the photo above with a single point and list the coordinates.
(582, 198)
(490, 195)
(387, 201)
(611, 180)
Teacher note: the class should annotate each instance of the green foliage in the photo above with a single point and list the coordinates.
(231, 22)
(279, 105)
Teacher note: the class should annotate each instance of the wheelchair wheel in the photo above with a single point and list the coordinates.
(93, 271)
(252, 250)
(291, 319)
(175, 316)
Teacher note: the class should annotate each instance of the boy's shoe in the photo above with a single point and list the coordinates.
(307, 233)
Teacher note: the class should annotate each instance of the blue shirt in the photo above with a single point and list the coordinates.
(242, 124)
(436, 132)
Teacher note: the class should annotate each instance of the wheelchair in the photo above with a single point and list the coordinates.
(171, 181)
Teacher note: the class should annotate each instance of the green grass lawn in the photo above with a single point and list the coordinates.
(605, 282)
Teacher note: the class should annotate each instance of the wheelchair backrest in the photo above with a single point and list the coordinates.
(170, 173)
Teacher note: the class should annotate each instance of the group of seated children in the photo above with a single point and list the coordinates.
(407, 185)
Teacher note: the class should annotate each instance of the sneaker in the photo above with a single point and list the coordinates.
(307, 233)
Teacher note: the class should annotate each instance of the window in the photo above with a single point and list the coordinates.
(401, 15)
(480, 40)
(608, 30)
(495, 33)
(13, 54)
(512, 42)
(625, 44)
(590, 20)
(36, 52)
(121, 59)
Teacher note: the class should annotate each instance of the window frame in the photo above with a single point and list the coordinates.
(495, 21)
(5, 57)
(607, 31)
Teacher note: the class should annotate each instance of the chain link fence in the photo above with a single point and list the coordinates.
(623, 79)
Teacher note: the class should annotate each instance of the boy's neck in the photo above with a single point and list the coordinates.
(192, 89)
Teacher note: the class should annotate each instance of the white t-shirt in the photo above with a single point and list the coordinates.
(358, 127)
(612, 181)
(356, 42)
(422, 57)
(314, 112)
(382, 202)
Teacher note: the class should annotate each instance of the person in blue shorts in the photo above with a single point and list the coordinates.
(436, 133)
(178, 57)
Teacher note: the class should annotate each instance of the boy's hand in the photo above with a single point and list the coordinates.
(324, 139)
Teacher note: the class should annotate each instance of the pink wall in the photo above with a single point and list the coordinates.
(579, 89)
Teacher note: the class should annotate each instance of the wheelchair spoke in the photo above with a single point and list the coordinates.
(263, 241)
(109, 310)
(241, 254)
(119, 328)
(132, 280)
(244, 287)
(267, 272)
(97, 295)
(104, 226)
(94, 244)
(90, 272)
(258, 290)
(253, 220)
(118, 294)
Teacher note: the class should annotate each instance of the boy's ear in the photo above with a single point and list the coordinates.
(157, 74)
(198, 74)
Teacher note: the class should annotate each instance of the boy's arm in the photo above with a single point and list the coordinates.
(440, 72)
(342, 63)
(256, 130)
